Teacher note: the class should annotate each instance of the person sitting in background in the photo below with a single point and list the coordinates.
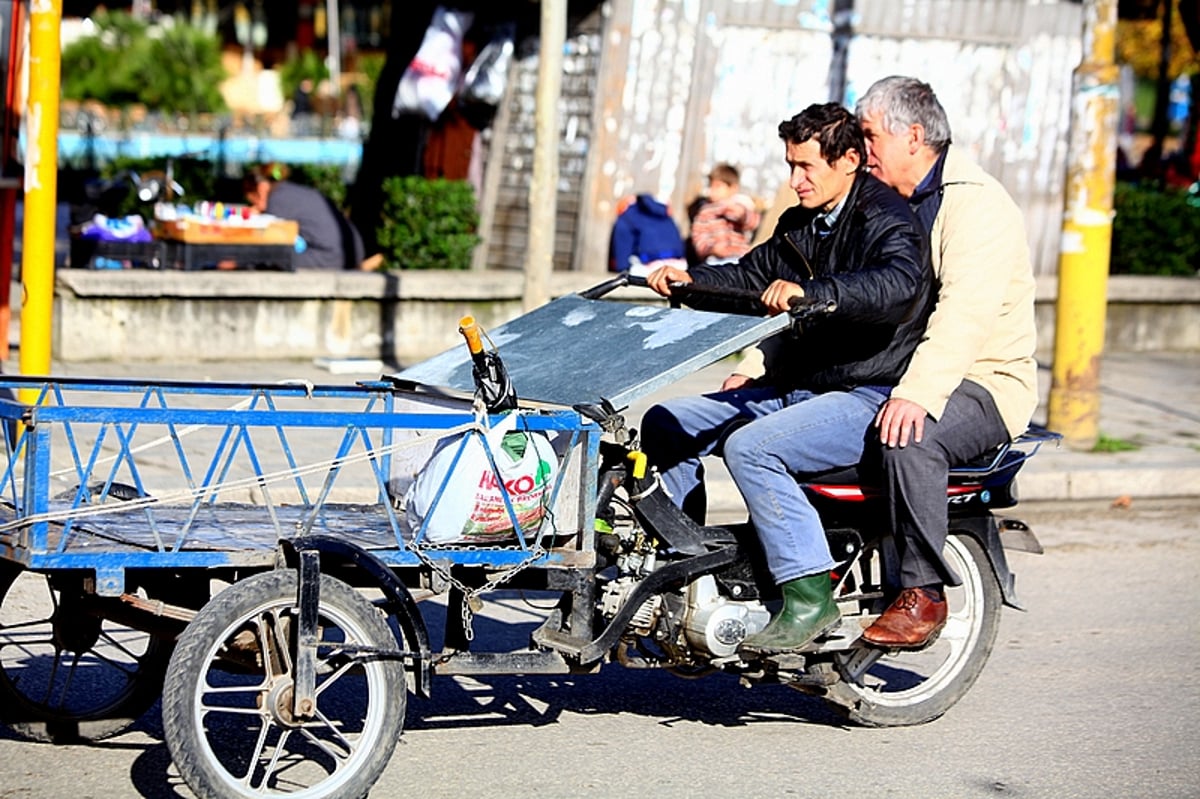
(328, 240)
(722, 227)
(644, 237)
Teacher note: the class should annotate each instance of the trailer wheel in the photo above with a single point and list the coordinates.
(66, 673)
(227, 704)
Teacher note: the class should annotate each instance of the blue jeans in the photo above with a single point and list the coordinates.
(767, 437)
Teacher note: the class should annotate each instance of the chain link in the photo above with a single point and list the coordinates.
(472, 594)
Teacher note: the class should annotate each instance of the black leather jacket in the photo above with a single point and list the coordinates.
(874, 264)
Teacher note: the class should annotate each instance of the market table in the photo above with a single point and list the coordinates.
(204, 244)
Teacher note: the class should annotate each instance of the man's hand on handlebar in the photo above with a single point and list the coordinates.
(661, 279)
(778, 296)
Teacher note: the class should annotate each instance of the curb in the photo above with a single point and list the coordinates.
(1160, 480)
(1144, 481)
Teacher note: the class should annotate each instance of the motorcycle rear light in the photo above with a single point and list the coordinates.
(846, 493)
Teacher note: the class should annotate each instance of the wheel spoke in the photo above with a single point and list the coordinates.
(334, 676)
(128, 669)
(324, 745)
(76, 659)
(48, 698)
(280, 630)
(121, 648)
(259, 747)
(5, 628)
(26, 647)
(262, 637)
(235, 689)
(209, 710)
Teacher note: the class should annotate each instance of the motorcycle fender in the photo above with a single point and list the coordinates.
(1015, 534)
(986, 531)
(400, 602)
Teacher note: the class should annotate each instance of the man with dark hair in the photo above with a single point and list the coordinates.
(327, 238)
(972, 382)
(852, 240)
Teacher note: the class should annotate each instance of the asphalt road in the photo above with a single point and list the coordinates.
(1091, 693)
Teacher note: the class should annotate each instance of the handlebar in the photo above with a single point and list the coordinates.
(800, 307)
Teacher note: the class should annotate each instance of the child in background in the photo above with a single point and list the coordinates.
(723, 226)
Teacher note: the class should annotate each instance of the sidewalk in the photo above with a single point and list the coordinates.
(1149, 400)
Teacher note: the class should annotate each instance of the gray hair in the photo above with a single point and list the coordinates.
(906, 101)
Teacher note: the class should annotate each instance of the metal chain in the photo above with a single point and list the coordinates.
(468, 593)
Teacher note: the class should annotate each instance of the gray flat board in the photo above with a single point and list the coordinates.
(575, 350)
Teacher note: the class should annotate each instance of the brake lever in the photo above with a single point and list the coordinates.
(806, 307)
(607, 416)
(803, 309)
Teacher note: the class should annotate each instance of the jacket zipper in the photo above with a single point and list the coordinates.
(811, 275)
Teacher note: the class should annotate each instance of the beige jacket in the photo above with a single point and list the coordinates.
(983, 327)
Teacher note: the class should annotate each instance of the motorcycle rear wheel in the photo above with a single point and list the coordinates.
(877, 688)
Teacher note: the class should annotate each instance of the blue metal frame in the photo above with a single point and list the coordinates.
(76, 421)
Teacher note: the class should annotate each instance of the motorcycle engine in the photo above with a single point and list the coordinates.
(693, 624)
(716, 624)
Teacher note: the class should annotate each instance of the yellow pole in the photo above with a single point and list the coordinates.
(1074, 406)
(41, 183)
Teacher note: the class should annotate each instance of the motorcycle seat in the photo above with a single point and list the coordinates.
(999, 463)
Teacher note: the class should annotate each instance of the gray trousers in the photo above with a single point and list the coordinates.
(915, 476)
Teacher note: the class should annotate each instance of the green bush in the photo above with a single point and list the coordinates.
(427, 224)
(325, 178)
(181, 71)
(95, 67)
(301, 66)
(371, 65)
(1154, 232)
(173, 67)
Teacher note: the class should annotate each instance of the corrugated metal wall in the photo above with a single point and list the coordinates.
(657, 91)
(1002, 70)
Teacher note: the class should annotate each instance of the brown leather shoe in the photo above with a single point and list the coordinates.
(913, 621)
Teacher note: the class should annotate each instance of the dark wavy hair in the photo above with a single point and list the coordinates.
(835, 128)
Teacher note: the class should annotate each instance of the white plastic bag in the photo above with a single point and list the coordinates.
(459, 497)
(430, 81)
(486, 77)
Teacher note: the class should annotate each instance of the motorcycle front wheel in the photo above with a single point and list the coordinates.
(880, 688)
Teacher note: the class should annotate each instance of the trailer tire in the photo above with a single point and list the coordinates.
(68, 675)
(227, 710)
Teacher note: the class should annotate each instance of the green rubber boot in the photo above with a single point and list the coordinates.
(808, 612)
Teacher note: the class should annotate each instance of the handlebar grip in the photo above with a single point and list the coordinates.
(805, 307)
(470, 331)
(717, 292)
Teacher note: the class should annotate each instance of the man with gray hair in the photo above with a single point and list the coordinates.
(972, 382)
